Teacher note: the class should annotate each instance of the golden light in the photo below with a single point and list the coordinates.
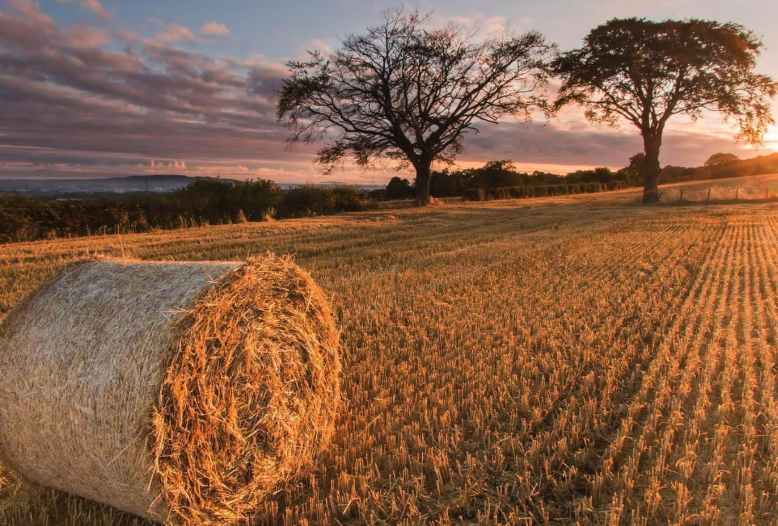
(771, 138)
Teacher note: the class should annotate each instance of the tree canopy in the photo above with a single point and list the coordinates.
(646, 72)
(721, 159)
(408, 92)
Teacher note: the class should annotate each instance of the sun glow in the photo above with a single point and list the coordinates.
(771, 138)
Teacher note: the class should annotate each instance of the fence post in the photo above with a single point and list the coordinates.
(709, 195)
(737, 193)
(680, 198)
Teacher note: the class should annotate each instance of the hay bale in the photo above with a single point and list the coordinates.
(180, 392)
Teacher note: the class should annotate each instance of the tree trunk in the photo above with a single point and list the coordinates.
(423, 178)
(651, 167)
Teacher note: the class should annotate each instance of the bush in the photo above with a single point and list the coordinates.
(252, 199)
(497, 193)
(617, 185)
(349, 199)
(378, 194)
(475, 194)
(547, 190)
(206, 201)
(306, 200)
(311, 200)
(399, 189)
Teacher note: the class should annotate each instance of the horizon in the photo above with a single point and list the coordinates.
(115, 89)
(402, 175)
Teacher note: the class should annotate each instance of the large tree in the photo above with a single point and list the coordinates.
(646, 72)
(408, 93)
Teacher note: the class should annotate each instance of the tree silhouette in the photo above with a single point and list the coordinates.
(408, 93)
(646, 72)
(398, 188)
(721, 159)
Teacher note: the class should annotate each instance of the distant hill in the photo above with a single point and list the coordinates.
(132, 183)
(121, 185)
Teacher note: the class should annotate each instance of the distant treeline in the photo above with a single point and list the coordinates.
(211, 201)
(545, 190)
(205, 202)
(722, 166)
(503, 174)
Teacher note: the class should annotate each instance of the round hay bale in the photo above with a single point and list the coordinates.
(180, 392)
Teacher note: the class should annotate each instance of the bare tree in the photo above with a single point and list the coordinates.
(409, 93)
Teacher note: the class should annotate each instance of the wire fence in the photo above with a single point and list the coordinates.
(734, 193)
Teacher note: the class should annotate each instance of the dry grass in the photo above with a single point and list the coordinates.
(568, 359)
(758, 187)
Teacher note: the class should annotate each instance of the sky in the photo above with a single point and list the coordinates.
(100, 88)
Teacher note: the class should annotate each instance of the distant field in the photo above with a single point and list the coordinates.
(580, 358)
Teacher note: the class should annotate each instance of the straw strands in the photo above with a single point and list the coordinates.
(180, 392)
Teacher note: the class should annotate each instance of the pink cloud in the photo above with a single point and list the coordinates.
(72, 106)
(85, 37)
(214, 29)
(97, 8)
(175, 33)
(31, 12)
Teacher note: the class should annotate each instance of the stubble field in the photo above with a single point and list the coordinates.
(581, 359)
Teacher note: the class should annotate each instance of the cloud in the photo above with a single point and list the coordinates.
(94, 6)
(97, 8)
(68, 94)
(84, 37)
(214, 29)
(588, 145)
(175, 33)
(30, 13)
(81, 100)
(317, 44)
(483, 26)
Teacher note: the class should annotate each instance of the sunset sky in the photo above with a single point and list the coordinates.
(96, 88)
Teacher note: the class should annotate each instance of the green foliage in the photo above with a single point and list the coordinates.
(495, 176)
(449, 184)
(721, 159)
(765, 164)
(474, 194)
(632, 173)
(312, 200)
(598, 175)
(307, 200)
(647, 71)
(207, 201)
(549, 190)
(399, 189)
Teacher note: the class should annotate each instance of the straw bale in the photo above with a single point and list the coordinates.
(180, 392)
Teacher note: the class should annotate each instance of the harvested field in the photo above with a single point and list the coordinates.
(574, 359)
